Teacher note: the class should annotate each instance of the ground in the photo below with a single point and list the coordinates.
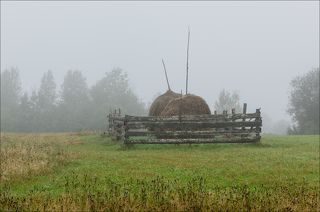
(87, 171)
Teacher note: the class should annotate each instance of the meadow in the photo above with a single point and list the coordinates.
(90, 172)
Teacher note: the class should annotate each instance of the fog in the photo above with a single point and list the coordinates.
(254, 48)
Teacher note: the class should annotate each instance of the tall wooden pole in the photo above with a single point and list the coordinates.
(165, 71)
(187, 61)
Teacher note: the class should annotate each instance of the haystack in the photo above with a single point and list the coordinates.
(161, 102)
(187, 105)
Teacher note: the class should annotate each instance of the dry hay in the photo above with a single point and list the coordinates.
(161, 102)
(187, 105)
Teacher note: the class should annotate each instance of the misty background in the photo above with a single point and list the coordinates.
(252, 48)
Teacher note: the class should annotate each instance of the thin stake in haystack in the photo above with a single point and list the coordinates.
(165, 71)
(187, 61)
(188, 104)
(161, 101)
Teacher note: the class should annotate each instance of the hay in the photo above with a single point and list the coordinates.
(161, 102)
(187, 105)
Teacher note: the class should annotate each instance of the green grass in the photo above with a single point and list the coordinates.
(285, 166)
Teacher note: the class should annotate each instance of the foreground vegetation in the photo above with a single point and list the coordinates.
(89, 172)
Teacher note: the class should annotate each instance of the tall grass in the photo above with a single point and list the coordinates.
(85, 172)
(85, 193)
(25, 155)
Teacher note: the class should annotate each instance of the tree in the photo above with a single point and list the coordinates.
(34, 112)
(47, 92)
(25, 114)
(47, 103)
(74, 108)
(227, 101)
(304, 103)
(112, 92)
(10, 96)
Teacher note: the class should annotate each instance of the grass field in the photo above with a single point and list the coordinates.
(77, 171)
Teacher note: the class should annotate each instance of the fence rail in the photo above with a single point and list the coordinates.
(217, 128)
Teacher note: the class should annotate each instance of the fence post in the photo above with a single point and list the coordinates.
(258, 137)
(244, 112)
(225, 112)
(244, 108)
(125, 138)
(107, 127)
(108, 122)
(111, 124)
(233, 112)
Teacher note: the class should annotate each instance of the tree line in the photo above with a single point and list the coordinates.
(73, 107)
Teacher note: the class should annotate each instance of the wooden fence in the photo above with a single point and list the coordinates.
(216, 128)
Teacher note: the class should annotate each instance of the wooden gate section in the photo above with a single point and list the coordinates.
(216, 128)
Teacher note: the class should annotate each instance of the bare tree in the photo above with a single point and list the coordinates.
(227, 101)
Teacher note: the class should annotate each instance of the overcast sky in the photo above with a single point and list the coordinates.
(254, 48)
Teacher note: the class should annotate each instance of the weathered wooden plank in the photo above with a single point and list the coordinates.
(218, 130)
(118, 118)
(118, 122)
(192, 117)
(116, 126)
(191, 141)
(191, 125)
(195, 133)
(195, 122)
(198, 136)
